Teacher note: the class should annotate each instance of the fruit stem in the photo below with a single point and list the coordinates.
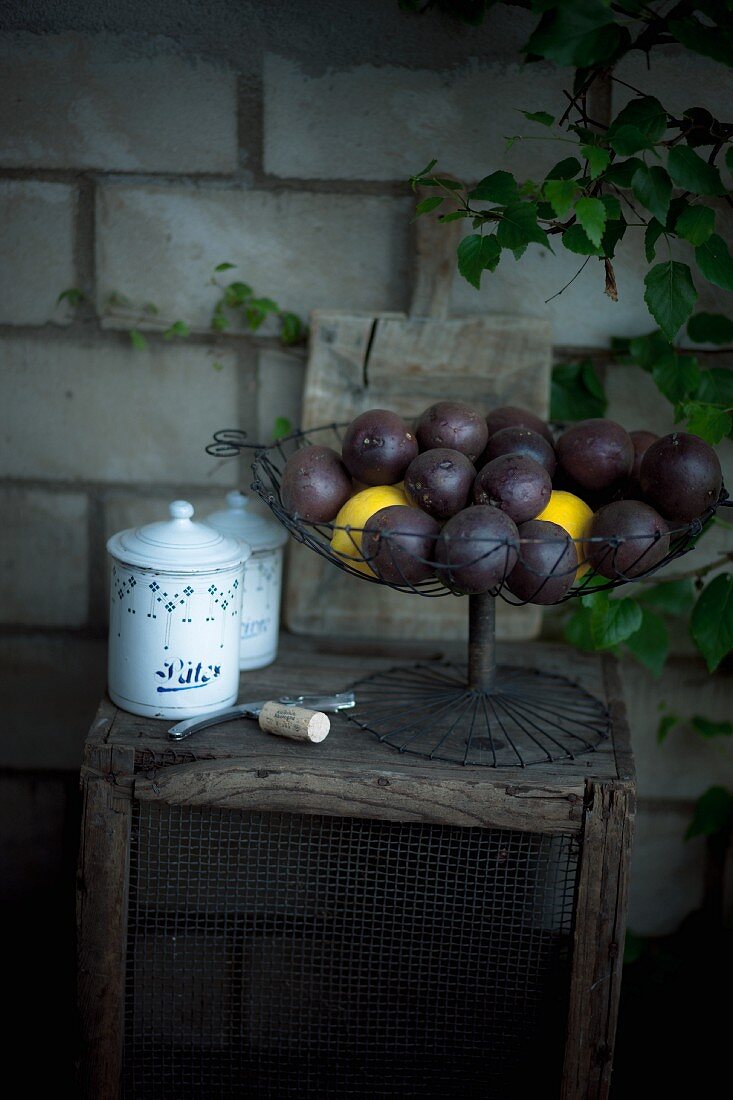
(481, 642)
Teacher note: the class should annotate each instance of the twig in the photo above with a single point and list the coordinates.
(575, 276)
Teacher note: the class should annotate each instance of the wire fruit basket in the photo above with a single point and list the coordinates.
(482, 713)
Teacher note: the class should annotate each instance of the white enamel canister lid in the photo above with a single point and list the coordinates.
(178, 545)
(241, 521)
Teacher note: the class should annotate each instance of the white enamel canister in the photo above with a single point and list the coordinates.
(175, 612)
(260, 625)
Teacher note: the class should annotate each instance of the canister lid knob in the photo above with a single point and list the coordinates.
(180, 509)
(237, 501)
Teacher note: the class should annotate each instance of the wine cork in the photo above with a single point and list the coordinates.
(297, 723)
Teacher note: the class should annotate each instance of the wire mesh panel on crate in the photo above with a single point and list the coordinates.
(283, 954)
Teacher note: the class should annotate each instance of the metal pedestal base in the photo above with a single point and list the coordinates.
(527, 717)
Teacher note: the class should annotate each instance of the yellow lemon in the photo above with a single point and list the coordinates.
(355, 514)
(574, 516)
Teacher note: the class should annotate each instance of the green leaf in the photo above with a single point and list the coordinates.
(712, 814)
(652, 233)
(613, 233)
(219, 321)
(565, 169)
(281, 427)
(426, 170)
(477, 254)
(647, 350)
(670, 597)
(575, 239)
(710, 328)
(577, 630)
(560, 194)
(137, 340)
(591, 214)
(729, 158)
(178, 328)
(264, 305)
(73, 295)
(711, 624)
(292, 329)
(224, 267)
(653, 188)
(615, 623)
(666, 724)
(677, 378)
(447, 182)
(716, 387)
(518, 226)
(628, 139)
(690, 172)
(236, 294)
(578, 35)
(576, 392)
(670, 295)
(622, 172)
(714, 260)
(454, 216)
(707, 728)
(499, 187)
(695, 224)
(598, 159)
(216, 365)
(429, 204)
(710, 423)
(539, 116)
(650, 643)
(715, 42)
(612, 205)
(645, 113)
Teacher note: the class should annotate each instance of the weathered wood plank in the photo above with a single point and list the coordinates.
(102, 894)
(385, 795)
(621, 733)
(598, 941)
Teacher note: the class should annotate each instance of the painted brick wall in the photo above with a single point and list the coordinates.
(279, 139)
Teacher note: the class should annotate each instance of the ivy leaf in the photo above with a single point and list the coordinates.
(591, 214)
(518, 226)
(575, 239)
(670, 295)
(542, 117)
(281, 428)
(646, 114)
(677, 378)
(560, 194)
(292, 328)
(695, 224)
(712, 814)
(710, 328)
(219, 321)
(629, 139)
(475, 255)
(716, 387)
(598, 159)
(652, 233)
(671, 597)
(178, 328)
(715, 42)
(236, 294)
(650, 643)
(690, 172)
(666, 724)
(576, 392)
(73, 295)
(137, 340)
(714, 260)
(615, 623)
(578, 35)
(711, 624)
(224, 267)
(653, 188)
(707, 728)
(707, 421)
(429, 204)
(499, 187)
(565, 169)
(622, 172)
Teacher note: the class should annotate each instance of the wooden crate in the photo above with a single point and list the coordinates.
(155, 891)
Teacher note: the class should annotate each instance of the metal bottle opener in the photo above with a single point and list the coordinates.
(342, 700)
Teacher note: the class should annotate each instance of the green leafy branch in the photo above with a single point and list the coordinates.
(239, 304)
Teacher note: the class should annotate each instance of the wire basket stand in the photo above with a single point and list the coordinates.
(482, 713)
